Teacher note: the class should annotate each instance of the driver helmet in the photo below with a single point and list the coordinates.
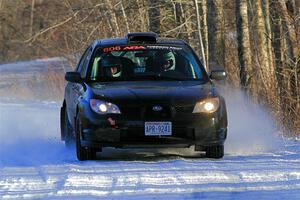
(111, 66)
(167, 61)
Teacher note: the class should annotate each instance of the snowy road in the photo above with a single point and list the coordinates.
(35, 164)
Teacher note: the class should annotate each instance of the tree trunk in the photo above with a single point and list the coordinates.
(278, 45)
(125, 17)
(216, 33)
(154, 15)
(186, 11)
(203, 13)
(143, 15)
(293, 58)
(31, 18)
(178, 18)
(268, 33)
(177, 13)
(267, 73)
(243, 36)
(292, 35)
(199, 34)
(113, 17)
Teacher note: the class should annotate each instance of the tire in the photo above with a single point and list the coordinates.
(83, 153)
(68, 131)
(216, 151)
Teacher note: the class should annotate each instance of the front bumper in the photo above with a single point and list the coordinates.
(119, 131)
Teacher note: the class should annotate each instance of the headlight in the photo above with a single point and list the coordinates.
(207, 105)
(103, 107)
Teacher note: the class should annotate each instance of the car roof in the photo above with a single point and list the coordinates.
(126, 40)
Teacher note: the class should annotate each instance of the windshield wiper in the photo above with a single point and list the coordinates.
(171, 77)
(155, 77)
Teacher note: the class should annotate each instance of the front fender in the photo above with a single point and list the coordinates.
(84, 111)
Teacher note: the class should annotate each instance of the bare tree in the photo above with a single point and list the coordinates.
(125, 17)
(203, 13)
(31, 18)
(266, 72)
(243, 37)
(200, 34)
(216, 32)
(154, 15)
(113, 17)
(143, 15)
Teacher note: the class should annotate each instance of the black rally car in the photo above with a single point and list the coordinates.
(142, 91)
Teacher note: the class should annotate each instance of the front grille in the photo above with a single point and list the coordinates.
(163, 114)
(184, 109)
(147, 113)
(132, 112)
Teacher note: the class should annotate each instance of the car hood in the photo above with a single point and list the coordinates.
(168, 92)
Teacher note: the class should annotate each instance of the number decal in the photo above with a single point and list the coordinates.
(108, 49)
(119, 48)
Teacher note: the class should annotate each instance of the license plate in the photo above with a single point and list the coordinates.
(158, 128)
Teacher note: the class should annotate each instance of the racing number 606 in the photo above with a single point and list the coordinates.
(108, 49)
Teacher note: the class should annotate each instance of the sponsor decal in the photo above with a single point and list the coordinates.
(123, 48)
(133, 48)
(163, 47)
(139, 47)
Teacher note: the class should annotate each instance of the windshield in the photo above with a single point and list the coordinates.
(146, 62)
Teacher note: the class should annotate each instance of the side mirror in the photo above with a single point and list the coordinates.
(73, 77)
(218, 74)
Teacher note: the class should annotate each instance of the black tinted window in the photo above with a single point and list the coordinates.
(85, 63)
(81, 61)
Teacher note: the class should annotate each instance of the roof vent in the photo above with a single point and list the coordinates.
(140, 37)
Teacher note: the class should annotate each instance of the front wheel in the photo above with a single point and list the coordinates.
(83, 153)
(216, 151)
